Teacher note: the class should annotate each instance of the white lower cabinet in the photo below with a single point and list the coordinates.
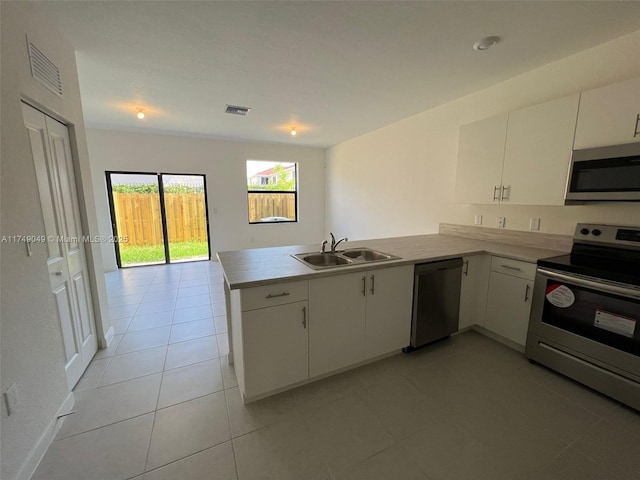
(357, 316)
(389, 303)
(509, 298)
(276, 343)
(473, 290)
(336, 323)
(270, 334)
(285, 333)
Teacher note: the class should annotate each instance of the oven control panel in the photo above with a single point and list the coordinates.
(628, 235)
(607, 235)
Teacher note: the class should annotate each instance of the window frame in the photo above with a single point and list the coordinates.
(289, 192)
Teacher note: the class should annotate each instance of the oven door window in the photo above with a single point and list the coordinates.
(603, 317)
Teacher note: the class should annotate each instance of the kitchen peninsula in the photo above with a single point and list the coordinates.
(290, 324)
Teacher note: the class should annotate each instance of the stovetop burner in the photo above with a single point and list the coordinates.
(602, 251)
(593, 267)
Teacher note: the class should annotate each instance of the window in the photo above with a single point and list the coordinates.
(272, 191)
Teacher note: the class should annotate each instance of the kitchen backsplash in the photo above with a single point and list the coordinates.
(515, 237)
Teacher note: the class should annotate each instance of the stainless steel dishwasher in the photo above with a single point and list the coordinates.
(436, 301)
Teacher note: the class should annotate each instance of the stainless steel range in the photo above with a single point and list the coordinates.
(585, 315)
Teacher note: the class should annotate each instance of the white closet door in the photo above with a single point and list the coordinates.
(50, 148)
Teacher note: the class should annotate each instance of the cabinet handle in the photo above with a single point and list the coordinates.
(364, 286)
(304, 317)
(373, 284)
(58, 273)
(466, 268)
(283, 294)
(505, 192)
(496, 193)
(636, 132)
(509, 267)
(526, 293)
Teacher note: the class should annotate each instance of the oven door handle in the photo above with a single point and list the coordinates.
(596, 285)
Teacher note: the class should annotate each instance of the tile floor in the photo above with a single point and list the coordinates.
(162, 404)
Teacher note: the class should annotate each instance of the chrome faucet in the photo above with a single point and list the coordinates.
(323, 247)
(334, 244)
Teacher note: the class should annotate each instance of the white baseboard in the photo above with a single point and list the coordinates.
(37, 452)
(498, 338)
(104, 342)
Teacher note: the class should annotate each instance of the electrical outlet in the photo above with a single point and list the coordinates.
(534, 223)
(11, 399)
(500, 222)
(477, 220)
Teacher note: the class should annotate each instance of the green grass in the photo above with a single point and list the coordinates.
(155, 253)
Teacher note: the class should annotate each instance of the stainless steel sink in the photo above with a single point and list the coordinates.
(325, 259)
(343, 258)
(366, 255)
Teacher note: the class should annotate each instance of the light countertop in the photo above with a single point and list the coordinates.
(262, 266)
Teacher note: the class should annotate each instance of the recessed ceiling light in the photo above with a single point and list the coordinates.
(486, 43)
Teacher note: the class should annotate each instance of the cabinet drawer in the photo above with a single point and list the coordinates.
(514, 268)
(276, 294)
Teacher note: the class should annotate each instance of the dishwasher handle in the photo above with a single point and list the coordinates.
(422, 268)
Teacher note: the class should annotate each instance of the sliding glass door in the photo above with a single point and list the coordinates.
(186, 217)
(162, 216)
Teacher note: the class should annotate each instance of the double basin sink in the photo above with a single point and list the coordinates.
(342, 258)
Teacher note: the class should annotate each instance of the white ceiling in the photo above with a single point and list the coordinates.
(335, 69)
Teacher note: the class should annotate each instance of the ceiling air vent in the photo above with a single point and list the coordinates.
(44, 70)
(236, 110)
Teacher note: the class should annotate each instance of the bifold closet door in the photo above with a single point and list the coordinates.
(68, 273)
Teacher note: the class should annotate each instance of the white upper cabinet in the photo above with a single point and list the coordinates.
(609, 115)
(480, 159)
(538, 151)
(520, 158)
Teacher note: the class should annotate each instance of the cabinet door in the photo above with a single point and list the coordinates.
(608, 115)
(388, 317)
(480, 158)
(508, 306)
(275, 347)
(538, 151)
(473, 290)
(336, 322)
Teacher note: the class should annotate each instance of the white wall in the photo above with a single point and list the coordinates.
(31, 343)
(224, 164)
(399, 180)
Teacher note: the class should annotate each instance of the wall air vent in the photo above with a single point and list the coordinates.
(236, 110)
(44, 70)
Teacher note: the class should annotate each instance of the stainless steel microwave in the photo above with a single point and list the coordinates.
(604, 174)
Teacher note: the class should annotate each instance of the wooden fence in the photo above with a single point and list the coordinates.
(263, 205)
(138, 217)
